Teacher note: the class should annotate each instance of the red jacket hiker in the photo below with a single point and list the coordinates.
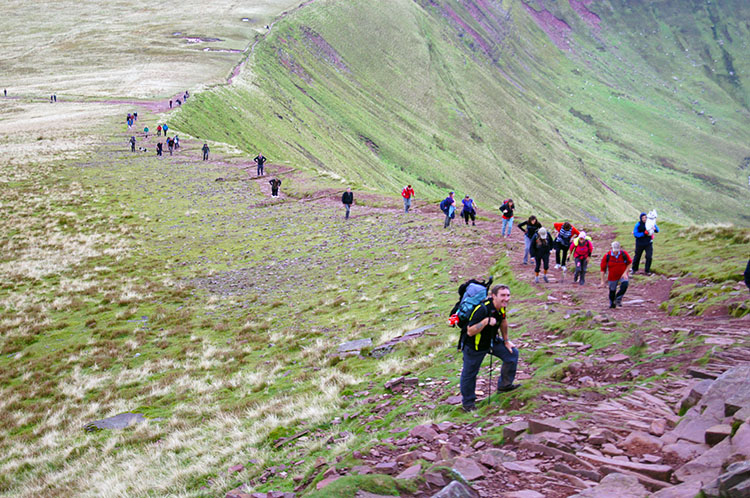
(581, 249)
(615, 266)
(407, 193)
(573, 229)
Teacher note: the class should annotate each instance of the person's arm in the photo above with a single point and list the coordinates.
(523, 224)
(473, 330)
(603, 268)
(504, 331)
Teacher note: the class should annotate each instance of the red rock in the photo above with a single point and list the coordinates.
(658, 427)
(525, 493)
(325, 482)
(408, 457)
(436, 479)
(717, 433)
(521, 467)
(684, 450)
(550, 424)
(361, 469)
(469, 469)
(494, 457)
(453, 400)
(386, 467)
(430, 456)
(510, 431)
(236, 468)
(611, 449)
(410, 473)
(618, 358)
(638, 443)
(657, 471)
(425, 432)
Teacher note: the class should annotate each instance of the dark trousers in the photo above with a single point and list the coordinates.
(348, 207)
(614, 294)
(581, 265)
(561, 260)
(132, 146)
(472, 362)
(274, 191)
(260, 169)
(205, 156)
(467, 215)
(639, 250)
(543, 258)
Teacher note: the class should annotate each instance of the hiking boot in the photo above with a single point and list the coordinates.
(618, 301)
(507, 389)
(557, 267)
(546, 280)
(536, 279)
(563, 267)
(612, 304)
(581, 282)
(470, 408)
(525, 263)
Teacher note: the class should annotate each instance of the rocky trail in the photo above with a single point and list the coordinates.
(613, 424)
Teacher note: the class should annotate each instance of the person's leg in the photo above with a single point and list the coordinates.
(649, 253)
(536, 268)
(510, 364)
(347, 206)
(637, 257)
(584, 267)
(526, 249)
(472, 362)
(510, 225)
(621, 292)
(406, 205)
(473, 218)
(564, 258)
(465, 216)
(447, 221)
(557, 256)
(577, 272)
(545, 260)
(612, 292)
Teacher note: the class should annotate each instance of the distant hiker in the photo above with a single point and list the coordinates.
(135, 116)
(5, 92)
(532, 225)
(145, 131)
(158, 131)
(541, 246)
(205, 150)
(644, 242)
(507, 209)
(176, 142)
(747, 275)
(179, 102)
(132, 144)
(616, 264)
(407, 193)
(55, 97)
(448, 207)
(50, 99)
(347, 199)
(260, 159)
(486, 320)
(581, 249)
(186, 95)
(565, 233)
(275, 184)
(469, 210)
(170, 145)
(164, 129)
(159, 148)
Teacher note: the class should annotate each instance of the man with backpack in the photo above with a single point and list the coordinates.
(407, 193)
(616, 263)
(481, 337)
(448, 207)
(205, 150)
(644, 242)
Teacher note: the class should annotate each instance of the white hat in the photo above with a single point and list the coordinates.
(581, 234)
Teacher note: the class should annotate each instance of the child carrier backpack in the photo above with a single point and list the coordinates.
(472, 293)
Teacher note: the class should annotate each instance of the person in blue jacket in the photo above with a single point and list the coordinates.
(644, 242)
(448, 207)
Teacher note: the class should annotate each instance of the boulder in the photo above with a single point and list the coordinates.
(425, 432)
(495, 457)
(693, 426)
(706, 466)
(120, 421)
(717, 433)
(456, 489)
(386, 467)
(435, 479)
(525, 493)
(658, 427)
(684, 490)
(411, 472)
(734, 483)
(684, 450)
(510, 431)
(638, 443)
(619, 485)
(468, 469)
(357, 345)
(732, 387)
(551, 425)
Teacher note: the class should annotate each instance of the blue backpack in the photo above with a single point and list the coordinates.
(472, 293)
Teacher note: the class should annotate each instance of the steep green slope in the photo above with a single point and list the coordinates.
(480, 98)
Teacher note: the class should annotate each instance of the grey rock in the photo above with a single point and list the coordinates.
(717, 433)
(120, 421)
(619, 485)
(468, 469)
(357, 345)
(456, 489)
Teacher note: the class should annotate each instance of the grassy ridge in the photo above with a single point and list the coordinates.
(478, 99)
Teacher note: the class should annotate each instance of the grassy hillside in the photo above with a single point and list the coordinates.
(479, 98)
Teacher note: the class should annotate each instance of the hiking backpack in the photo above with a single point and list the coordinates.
(472, 293)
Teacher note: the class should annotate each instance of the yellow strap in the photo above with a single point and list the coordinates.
(478, 337)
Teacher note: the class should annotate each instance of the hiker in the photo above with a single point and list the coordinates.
(407, 193)
(179, 102)
(532, 225)
(5, 92)
(55, 97)
(541, 246)
(186, 95)
(158, 131)
(205, 150)
(176, 142)
(259, 160)
(507, 209)
(164, 129)
(275, 184)
(481, 337)
(448, 207)
(469, 210)
(159, 149)
(565, 232)
(616, 264)
(135, 116)
(170, 104)
(644, 242)
(145, 132)
(170, 145)
(581, 249)
(347, 199)
(132, 144)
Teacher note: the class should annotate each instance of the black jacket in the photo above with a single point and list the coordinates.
(530, 229)
(539, 251)
(347, 198)
(260, 160)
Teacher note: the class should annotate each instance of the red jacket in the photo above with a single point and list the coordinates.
(407, 193)
(615, 265)
(581, 249)
(573, 229)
